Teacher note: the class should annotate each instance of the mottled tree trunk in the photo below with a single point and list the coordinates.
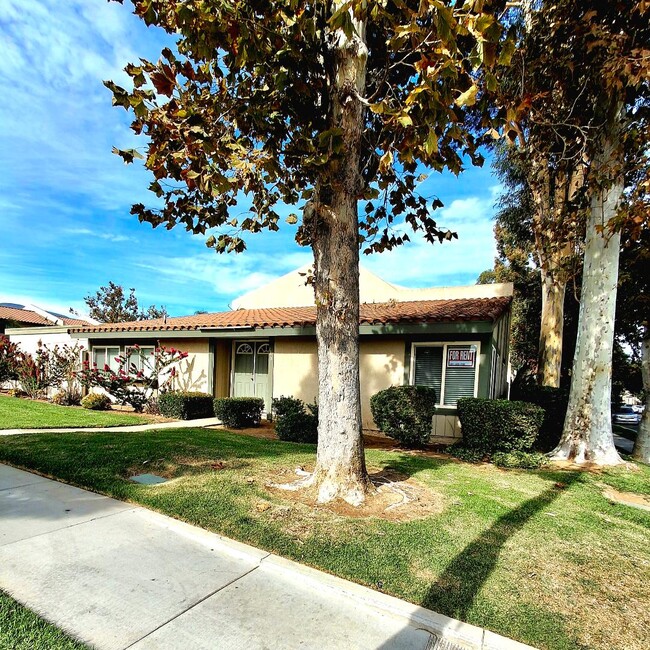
(551, 330)
(340, 465)
(587, 435)
(642, 445)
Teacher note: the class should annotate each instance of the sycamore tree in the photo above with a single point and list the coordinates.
(595, 59)
(321, 106)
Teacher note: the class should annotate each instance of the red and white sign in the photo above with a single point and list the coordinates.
(461, 357)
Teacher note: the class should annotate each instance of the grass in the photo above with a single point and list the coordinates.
(17, 413)
(22, 629)
(540, 556)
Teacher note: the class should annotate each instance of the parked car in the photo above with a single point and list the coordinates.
(626, 415)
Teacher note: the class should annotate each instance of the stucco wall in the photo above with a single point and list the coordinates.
(295, 370)
(194, 372)
(29, 342)
(381, 365)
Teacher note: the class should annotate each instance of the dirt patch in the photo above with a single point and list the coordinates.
(394, 497)
(627, 499)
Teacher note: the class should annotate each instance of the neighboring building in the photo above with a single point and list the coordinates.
(14, 316)
(453, 339)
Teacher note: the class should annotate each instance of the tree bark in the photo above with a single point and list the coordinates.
(340, 470)
(551, 330)
(587, 435)
(642, 445)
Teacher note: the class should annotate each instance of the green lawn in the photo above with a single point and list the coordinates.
(17, 413)
(22, 629)
(541, 556)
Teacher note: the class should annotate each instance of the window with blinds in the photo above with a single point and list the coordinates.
(428, 368)
(450, 379)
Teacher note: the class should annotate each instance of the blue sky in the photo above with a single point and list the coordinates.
(65, 227)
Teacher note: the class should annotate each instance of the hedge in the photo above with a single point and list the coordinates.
(295, 420)
(239, 412)
(405, 413)
(554, 401)
(186, 405)
(491, 425)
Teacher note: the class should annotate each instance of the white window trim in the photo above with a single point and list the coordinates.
(444, 345)
(106, 348)
(140, 348)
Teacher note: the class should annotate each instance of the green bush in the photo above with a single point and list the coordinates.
(239, 412)
(295, 420)
(466, 454)
(69, 397)
(405, 413)
(186, 405)
(554, 401)
(491, 425)
(96, 402)
(519, 459)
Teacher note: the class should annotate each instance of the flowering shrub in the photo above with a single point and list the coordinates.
(33, 373)
(132, 384)
(63, 364)
(10, 358)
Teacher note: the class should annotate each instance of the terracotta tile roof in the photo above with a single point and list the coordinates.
(74, 322)
(421, 311)
(23, 316)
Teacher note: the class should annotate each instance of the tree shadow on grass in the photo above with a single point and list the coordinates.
(456, 590)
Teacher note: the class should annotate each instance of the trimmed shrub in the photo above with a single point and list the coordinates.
(491, 425)
(519, 459)
(186, 405)
(239, 412)
(405, 413)
(466, 454)
(67, 398)
(554, 401)
(295, 420)
(96, 402)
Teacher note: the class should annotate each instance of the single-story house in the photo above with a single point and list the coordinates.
(30, 317)
(453, 339)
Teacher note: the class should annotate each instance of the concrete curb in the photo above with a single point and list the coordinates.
(466, 635)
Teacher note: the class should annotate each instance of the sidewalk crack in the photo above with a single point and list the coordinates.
(198, 602)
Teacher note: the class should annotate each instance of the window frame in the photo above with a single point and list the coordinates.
(106, 348)
(127, 355)
(444, 345)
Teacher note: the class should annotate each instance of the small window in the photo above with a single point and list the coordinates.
(263, 348)
(140, 359)
(245, 348)
(106, 356)
(451, 369)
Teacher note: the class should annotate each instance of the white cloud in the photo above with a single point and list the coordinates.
(420, 264)
(228, 275)
(56, 119)
(87, 232)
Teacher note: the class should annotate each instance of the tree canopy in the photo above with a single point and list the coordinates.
(110, 304)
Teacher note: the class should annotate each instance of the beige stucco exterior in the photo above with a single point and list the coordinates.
(295, 370)
(195, 371)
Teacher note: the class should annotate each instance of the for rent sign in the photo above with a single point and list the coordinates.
(461, 357)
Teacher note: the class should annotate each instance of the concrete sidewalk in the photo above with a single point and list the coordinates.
(177, 424)
(118, 576)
